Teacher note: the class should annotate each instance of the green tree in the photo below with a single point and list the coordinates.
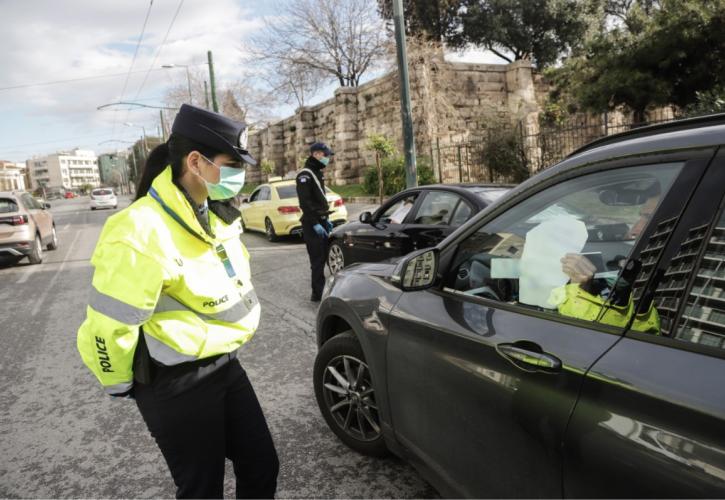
(383, 148)
(431, 19)
(539, 30)
(650, 53)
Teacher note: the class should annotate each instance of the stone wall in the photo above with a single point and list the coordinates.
(450, 101)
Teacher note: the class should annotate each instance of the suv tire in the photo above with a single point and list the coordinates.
(53, 245)
(346, 397)
(36, 255)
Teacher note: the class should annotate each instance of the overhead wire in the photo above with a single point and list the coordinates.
(133, 61)
(71, 80)
(158, 52)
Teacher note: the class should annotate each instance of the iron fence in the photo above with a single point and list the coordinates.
(536, 147)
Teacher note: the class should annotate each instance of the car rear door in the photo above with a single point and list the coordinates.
(252, 216)
(650, 421)
(38, 214)
(483, 373)
(435, 217)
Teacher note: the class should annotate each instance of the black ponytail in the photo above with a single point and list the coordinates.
(171, 152)
(157, 161)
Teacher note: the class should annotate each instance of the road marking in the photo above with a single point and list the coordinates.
(40, 301)
(24, 277)
(65, 227)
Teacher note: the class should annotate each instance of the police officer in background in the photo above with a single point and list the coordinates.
(171, 304)
(316, 226)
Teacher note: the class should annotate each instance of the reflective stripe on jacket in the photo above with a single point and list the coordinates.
(156, 267)
(574, 302)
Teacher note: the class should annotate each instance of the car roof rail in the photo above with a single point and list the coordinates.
(658, 128)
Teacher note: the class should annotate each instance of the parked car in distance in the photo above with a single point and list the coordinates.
(568, 341)
(274, 209)
(69, 195)
(103, 198)
(415, 218)
(25, 227)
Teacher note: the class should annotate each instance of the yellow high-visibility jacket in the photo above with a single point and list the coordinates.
(575, 302)
(156, 267)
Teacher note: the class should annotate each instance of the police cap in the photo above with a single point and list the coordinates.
(321, 146)
(214, 130)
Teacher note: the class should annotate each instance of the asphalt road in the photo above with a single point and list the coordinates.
(60, 436)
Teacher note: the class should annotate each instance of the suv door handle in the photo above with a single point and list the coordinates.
(528, 355)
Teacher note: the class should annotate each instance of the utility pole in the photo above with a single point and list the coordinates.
(163, 125)
(206, 94)
(411, 177)
(211, 81)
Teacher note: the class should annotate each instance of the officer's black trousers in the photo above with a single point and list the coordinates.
(317, 251)
(216, 418)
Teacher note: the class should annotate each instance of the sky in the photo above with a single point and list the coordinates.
(94, 43)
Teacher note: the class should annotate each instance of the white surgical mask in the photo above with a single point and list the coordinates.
(231, 181)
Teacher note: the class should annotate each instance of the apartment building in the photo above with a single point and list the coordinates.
(12, 176)
(64, 170)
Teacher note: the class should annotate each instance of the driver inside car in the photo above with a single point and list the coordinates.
(586, 297)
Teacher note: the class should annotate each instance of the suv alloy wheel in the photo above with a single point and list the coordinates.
(345, 395)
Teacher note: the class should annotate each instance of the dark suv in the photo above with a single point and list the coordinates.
(568, 341)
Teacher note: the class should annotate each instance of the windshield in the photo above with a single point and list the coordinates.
(102, 192)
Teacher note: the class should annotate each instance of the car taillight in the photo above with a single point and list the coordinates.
(288, 210)
(15, 220)
(339, 202)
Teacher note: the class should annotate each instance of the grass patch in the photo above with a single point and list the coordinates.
(349, 190)
(248, 188)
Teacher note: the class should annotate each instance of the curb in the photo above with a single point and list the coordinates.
(363, 200)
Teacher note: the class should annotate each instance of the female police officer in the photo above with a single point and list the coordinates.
(171, 303)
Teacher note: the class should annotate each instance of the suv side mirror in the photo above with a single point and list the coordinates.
(245, 200)
(366, 217)
(417, 271)
(46, 205)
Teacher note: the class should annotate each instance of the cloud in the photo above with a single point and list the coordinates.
(46, 40)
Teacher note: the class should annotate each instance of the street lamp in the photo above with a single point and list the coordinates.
(188, 78)
(145, 144)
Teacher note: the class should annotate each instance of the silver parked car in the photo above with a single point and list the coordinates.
(25, 227)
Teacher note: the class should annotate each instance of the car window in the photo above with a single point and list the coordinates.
(263, 194)
(286, 192)
(255, 195)
(7, 206)
(30, 202)
(561, 250)
(102, 192)
(397, 212)
(703, 319)
(462, 214)
(437, 208)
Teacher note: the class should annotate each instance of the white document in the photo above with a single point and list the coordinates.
(545, 246)
(502, 268)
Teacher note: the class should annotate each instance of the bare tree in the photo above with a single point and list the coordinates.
(293, 84)
(241, 99)
(340, 39)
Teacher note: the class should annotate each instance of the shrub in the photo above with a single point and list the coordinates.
(503, 153)
(394, 175)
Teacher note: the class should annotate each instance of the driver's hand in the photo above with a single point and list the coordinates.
(579, 269)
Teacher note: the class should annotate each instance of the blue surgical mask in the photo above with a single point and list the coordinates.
(231, 181)
(325, 160)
